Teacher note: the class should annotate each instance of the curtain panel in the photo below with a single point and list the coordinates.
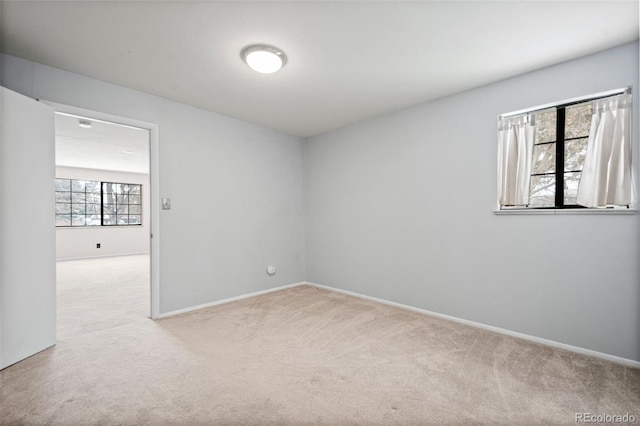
(606, 174)
(515, 154)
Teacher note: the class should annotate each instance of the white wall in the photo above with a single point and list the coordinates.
(80, 242)
(400, 208)
(236, 188)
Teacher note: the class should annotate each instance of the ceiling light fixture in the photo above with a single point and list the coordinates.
(86, 124)
(264, 58)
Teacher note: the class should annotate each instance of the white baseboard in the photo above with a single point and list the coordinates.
(62, 259)
(228, 300)
(552, 343)
(547, 342)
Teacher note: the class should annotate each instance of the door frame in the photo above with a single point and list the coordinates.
(154, 179)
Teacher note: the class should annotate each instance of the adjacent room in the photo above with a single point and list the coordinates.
(102, 221)
(319, 212)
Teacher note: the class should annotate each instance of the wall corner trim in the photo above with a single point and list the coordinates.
(539, 340)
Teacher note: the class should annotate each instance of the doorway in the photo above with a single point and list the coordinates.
(105, 220)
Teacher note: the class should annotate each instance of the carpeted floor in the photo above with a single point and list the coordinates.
(97, 294)
(307, 356)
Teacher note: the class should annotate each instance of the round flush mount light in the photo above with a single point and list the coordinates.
(264, 58)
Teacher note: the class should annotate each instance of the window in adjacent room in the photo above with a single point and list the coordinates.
(121, 204)
(95, 203)
(571, 154)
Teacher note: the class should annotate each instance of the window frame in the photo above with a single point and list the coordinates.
(101, 204)
(560, 141)
(559, 205)
(116, 204)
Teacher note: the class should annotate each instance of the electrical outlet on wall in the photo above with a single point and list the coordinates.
(98, 245)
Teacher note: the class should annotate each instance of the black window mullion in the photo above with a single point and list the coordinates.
(101, 203)
(560, 121)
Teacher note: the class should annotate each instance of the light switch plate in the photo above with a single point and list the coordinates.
(166, 204)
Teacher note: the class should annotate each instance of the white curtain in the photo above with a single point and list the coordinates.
(606, 174)
(515, 152)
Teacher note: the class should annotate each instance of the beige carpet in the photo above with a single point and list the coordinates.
(308, 356)
(97, 294)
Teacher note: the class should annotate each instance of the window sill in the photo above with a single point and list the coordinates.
(100, 227)
(565, 211)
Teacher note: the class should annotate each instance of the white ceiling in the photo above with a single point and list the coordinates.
(348, 61)
(104, 146)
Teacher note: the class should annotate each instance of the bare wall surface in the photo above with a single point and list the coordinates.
(235, 188)
(80, 242)
(400, 208)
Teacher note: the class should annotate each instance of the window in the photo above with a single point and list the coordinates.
(121, 204)
(560, 146)
(94, 203)
(569, 155)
